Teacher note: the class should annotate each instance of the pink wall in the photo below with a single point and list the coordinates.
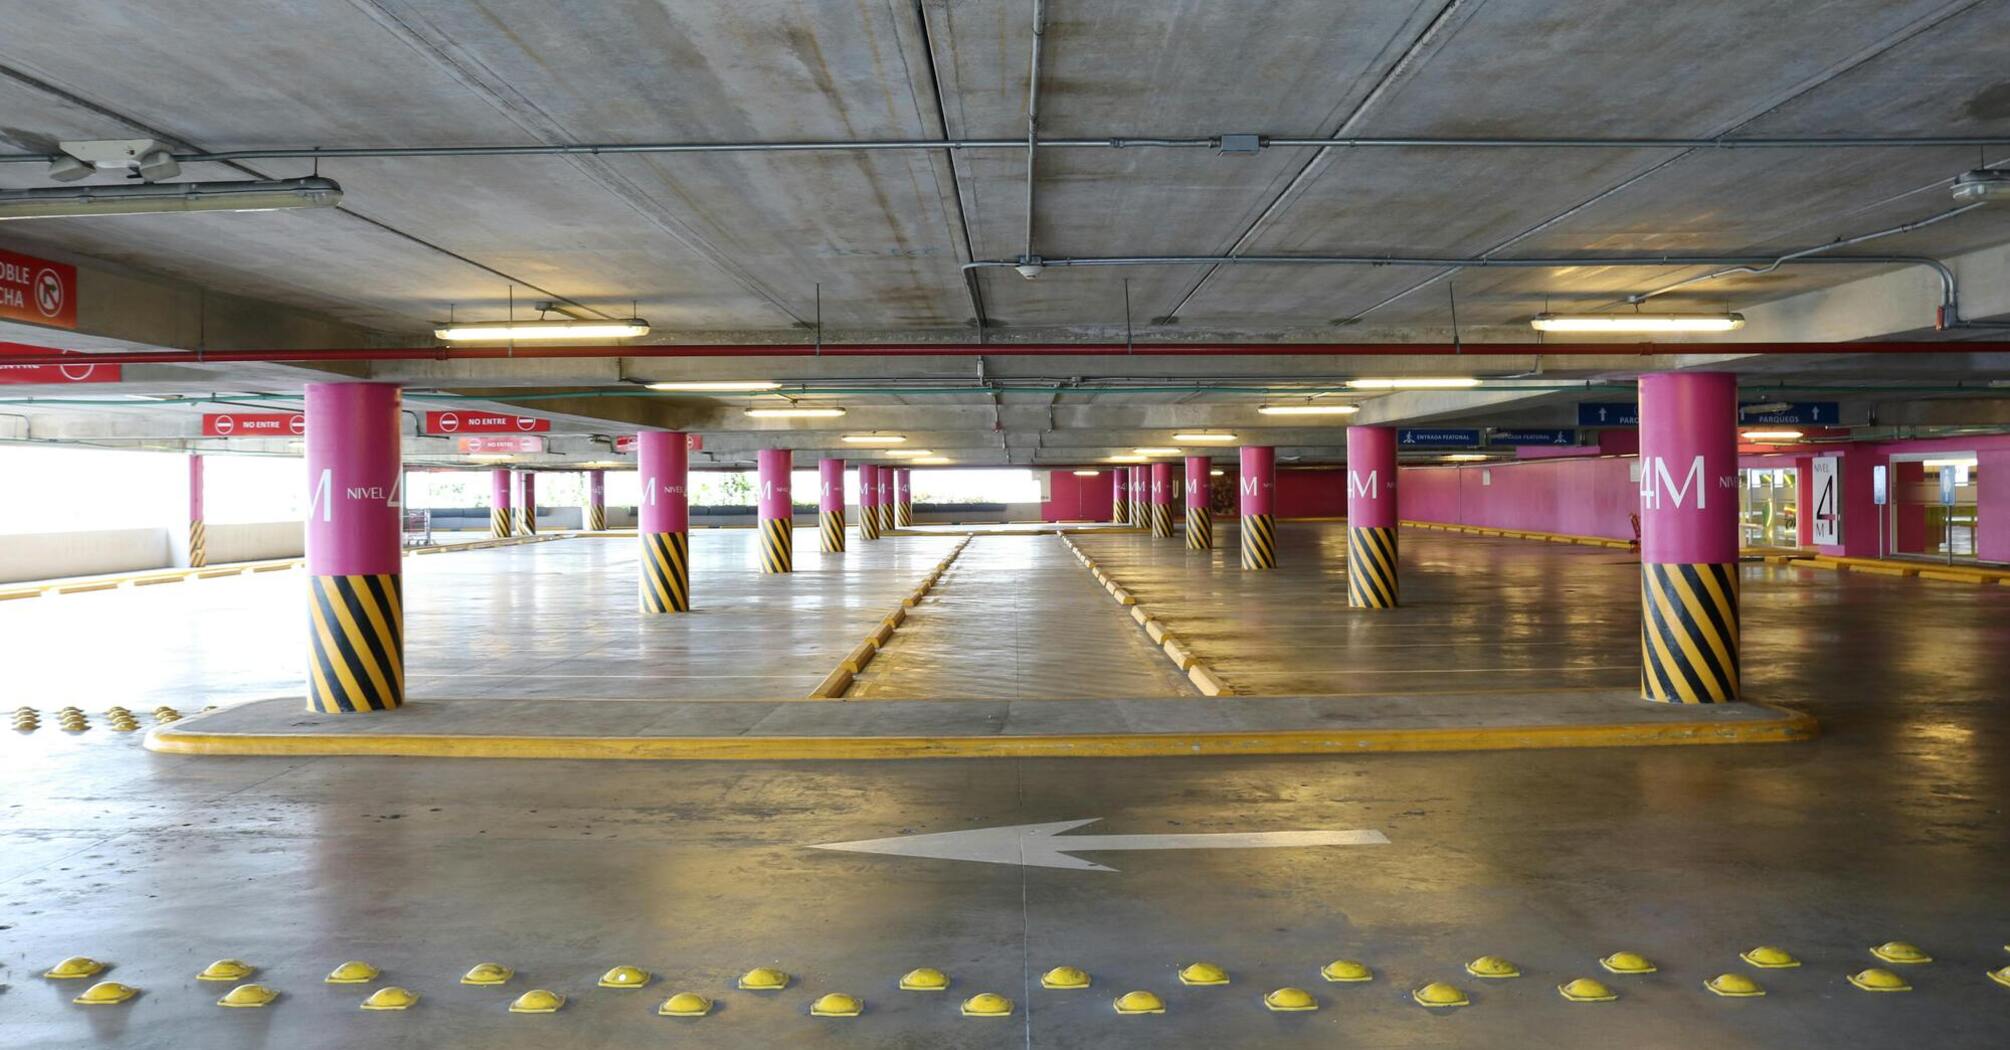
(1580, 497)
(1312, 493)
(1070, 498)
(1992, 504)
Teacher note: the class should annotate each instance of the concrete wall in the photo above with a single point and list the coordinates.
(1582, 497)
(47, 555)
(257, 542)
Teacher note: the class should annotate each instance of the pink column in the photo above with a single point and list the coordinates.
(198, 533)
(1120, 488)
(356, 646)
(502, 520)
(830, 504)
(1199, 516)
(526, 504)
(1162, 493)
(1689, 536)
(903, 497)
(1371, 518)
(663, 520)
(868, 515)
(1141, 496)
(596, 501)
(1258, 491)
(776, 512)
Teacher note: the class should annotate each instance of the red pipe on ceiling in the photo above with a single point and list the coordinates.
(502, 353)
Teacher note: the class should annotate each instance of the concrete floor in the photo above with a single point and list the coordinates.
(1889, 826)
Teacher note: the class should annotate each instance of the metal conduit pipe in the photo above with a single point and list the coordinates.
(1033, 117)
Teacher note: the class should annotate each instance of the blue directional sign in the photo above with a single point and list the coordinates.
(1532, 437)
(1437, 438)
(1806, 413)
(1608, 414)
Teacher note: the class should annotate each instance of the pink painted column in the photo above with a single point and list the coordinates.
(1120, 489)
(198, 533)
(1257, 489)
(830, 504)
(883, 498)
(663, 520)
(596, 501)
(903, 497)
(502, 520)
(776, 511)
(1689, 537)
(868, 514)
(1371, 518)
(1162, 499)
(526, 504)
(356, 633)
(1141, 496)
(1199, 516)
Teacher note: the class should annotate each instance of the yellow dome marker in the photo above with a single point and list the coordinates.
(352, 972)
(248, 997)
(537, 1001)
(74, 968)
(763, 979)
(106, 993)
(391, 998)
(1901, 953)
(2001, 976)
(987, 1004)
(836, 1004)
(1202, 973)
(1493, 967)
(1734, 986)
(1767, 957)
(1877, 979)
(685, 1004)
(1139, 1002)
(1439, 994)
(625, 977)
(488, 974)
(226, 970)
(1063, 978)
(925, 979)
(1346, 971)
(1627, 962)
(1586, 990)
(1290, 1000)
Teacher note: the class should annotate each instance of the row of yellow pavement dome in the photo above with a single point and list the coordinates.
(74, 720)
(1435, 994)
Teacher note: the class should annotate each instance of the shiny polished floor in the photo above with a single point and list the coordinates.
(1891, 826)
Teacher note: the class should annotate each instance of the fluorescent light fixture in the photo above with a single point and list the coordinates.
(931, 461)
(492, 457)
(1127, 459)
(1216, 473)
(1981, 186)
(1638, 322)
(1466, 457)
(1936, 464)
(874, 439)
(720, 386)
(1206, 438)
(1309, 410)
(795, 413)
(149, 198)
(1088, 473)
(1156, 451)
(1415, 383)
(517, 331)
(909, 453)
(1773, 435)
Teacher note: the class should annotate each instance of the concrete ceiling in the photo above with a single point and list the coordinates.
(756, 247)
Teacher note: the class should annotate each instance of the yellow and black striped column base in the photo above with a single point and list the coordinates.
(903, 515)
(596, 519)
(1259, 541)
(666, 572)
(356, 650)
(1162, 520)
(198, 545)
(1371, 568)
(499, 523)
(887, 521)
(1689, 633)
(778, 546)
(868, 524)
(831, 523)
(1199, 529)
(526, 522)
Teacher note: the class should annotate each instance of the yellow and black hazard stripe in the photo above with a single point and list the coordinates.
(198, 545)
(868, 522)
(887, 521)
(1371, 568)
(499, 523)
(526, 521)
(1259, 541)
(666, 572)
(596, 519)
(778, 546)
(1162, 519)
(832, 522)
(1199, 529)
(1689, 633)
(357, 644)
(903, 514)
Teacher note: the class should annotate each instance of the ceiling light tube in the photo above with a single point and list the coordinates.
(722, 386)
(1653, 323)
(1772, 435)
(873, 439)
(1415, 383)
(909, 453)
(1466, 457)
(795, 413)
(931, 461)
(1309, 410)
(1216, 473)
(64, 202)
(1152, 451)
(1206, 438)
(1127, 459)
(1088, 473)
(518, 331)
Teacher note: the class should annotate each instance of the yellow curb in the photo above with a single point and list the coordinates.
(882, 635)
(833, 686)
(859, 657)
(1180, 657)
(1138, 613)
(1206, 681)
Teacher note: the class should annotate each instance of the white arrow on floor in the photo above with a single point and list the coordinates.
(1039, 845)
